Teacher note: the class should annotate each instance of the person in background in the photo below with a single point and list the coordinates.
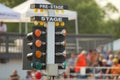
(100, 58)
(28, 76)
(33, 74)
(89, 61)
(14, 76)
(89, 55)
(115, 69)
(118, 54)
(110, 62)
(101, 50)
(70, 64)
(109, 52)
(81, 62)
(104, 70)
(3, 27)
(94, 57)
(118, 77)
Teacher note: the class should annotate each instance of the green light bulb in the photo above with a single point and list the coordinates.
(31, 65)
(38, 65)
(64, 64)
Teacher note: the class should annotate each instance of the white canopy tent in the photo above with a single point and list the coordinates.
(24, 10)
(7, 13)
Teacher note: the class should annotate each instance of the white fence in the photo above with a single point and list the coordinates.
(92, 74)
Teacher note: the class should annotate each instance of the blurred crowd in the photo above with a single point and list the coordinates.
(97, 63)
(30, 75)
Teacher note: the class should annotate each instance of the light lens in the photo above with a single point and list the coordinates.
(64, 53)
(38, 65)
(30, 56)
(64, 32)
(57, 11)
(32, 65)
(38, 43)
(62, 24)
(41, 10)
(64, 43)
(65, 64)
(35, 10)
(62, 11)
(35, 22)
(38, 75)
(37, 33)
(57, 24)
(42, 23)
(38, 54)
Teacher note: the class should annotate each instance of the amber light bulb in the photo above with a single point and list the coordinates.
(38, 43)
(57, 24)
(37, 33)
(41, 10)
(35, 10)
(62, 24)
(35, 22)
(38, 54)
(42, 23)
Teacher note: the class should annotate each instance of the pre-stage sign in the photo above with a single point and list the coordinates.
(48, 6)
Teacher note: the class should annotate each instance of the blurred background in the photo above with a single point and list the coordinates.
(94, 16)
(98, 23)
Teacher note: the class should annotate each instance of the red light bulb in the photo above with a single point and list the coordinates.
(38, 75)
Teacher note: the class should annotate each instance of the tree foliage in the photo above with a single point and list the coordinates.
(11, 3)
(90, 16)
(112, 27)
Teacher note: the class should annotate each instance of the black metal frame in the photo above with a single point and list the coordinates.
(71, 38)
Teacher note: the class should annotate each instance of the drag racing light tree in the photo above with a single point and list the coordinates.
(38, 46)
(60, 43)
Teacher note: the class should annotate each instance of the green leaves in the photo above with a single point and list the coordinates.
(11, 3)
(90, 16)
(111, 7)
